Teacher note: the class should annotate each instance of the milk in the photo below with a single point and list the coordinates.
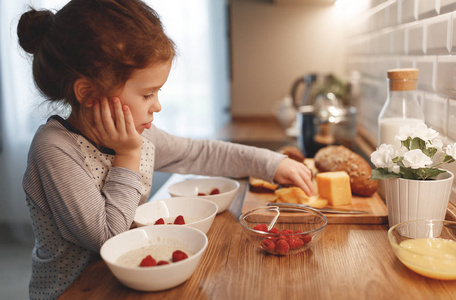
(389, 128)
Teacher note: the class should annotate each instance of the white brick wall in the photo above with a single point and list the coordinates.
(407, 33)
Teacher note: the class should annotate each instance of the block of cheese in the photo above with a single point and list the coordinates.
(335, 187)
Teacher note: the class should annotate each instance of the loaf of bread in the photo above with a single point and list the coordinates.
(340, 158)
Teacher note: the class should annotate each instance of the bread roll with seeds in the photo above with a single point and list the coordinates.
(340, 158)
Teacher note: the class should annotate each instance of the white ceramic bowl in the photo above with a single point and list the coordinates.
(158, 277)
(191, 187)
(197, 212)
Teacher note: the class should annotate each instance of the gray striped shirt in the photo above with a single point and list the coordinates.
(78, 200)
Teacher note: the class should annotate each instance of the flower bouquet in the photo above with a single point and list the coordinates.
(418, 157)
(415, 187)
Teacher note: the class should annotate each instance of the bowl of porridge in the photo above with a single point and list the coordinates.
(154, 258)
(220, 190)
(195, 212)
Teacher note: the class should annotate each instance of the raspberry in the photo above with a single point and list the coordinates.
(179, 220)
(162, 262)
(148, 261)
(298, 231)
(179, 255)
(268, 245)
(282, 247)
(201, 194)
(261, 227)
(306, 238)
(159, 221)
(287, 231)
(295, 243)
(274, 230)
(215, 191)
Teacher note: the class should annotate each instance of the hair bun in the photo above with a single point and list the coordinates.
(31, 28)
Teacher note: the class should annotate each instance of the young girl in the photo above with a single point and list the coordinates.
(107, 60)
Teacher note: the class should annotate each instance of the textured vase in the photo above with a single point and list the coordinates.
(409, 200)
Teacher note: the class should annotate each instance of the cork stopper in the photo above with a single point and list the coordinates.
(402, 79)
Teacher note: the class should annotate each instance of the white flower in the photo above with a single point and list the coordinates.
(421, 163)
(395, 169)
(419, 130)
(416, 159)
(425, 133)
(451, 150)
(404, 132)
(436, 143)
(383, 157)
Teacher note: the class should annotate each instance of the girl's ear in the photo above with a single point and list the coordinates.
(82, 87)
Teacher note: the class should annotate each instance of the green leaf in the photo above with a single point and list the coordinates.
(400, 163)
(433, 172)
(397, 159)
(418, 143)
(430, 151)
(410, 174)
(406, 143)
(382, 173)
(448, 159)
(421, 173)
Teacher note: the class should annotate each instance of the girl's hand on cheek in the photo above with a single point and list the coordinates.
(290, 171)
(116, 131)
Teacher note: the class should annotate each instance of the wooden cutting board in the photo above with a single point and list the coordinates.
(377, 213)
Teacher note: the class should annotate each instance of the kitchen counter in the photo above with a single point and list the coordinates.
(349, 262)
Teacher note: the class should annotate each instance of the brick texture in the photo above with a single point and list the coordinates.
(404, 34)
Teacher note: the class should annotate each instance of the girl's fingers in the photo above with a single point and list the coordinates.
(303, 183)
(308, 185)
(129, 122)
(119, 115)
(306, 177)
(106, 117)
(97, 118)
(308, 172)
(96, 132)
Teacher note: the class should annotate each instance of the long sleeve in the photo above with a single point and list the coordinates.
(212, 158)
(59, 179)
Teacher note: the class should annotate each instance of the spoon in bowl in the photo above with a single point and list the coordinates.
(274, 220)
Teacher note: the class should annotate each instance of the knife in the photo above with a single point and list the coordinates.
(324, 209)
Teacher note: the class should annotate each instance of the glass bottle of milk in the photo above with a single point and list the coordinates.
(401, 107)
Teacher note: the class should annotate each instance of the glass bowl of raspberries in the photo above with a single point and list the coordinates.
(220, 190)
(154, 258)
(282, 230)
(190, 211)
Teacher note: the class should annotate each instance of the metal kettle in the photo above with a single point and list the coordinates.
(308, 93)
(322, 119)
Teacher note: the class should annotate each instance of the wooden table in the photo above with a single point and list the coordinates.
(349, 262)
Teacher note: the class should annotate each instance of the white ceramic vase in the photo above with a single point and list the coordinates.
(409, 200)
